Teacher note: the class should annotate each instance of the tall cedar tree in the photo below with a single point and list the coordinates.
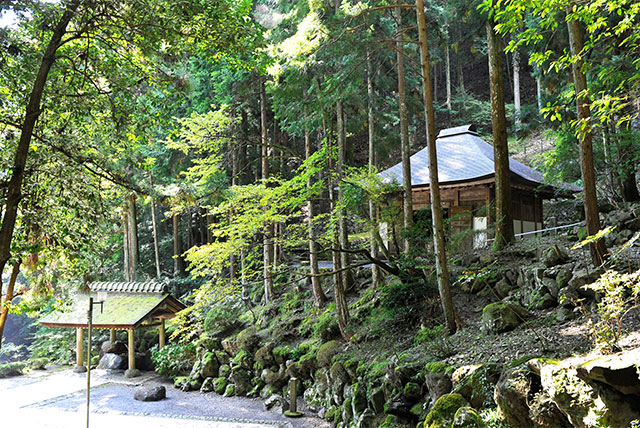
(267, 242)
(504, 218)
(407, 199)
(444, 286)
(598, 249)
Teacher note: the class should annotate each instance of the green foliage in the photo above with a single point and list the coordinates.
(12, 369)
(174, 359)
(429, 334)
(619, 294)
(55, 345)
(222, 319)
(326, 326)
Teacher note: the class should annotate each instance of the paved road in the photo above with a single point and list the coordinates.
(56, 399)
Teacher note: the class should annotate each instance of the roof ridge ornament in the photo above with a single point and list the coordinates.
(458, 130)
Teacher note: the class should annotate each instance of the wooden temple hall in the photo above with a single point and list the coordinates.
(128, 306)
(466, 174)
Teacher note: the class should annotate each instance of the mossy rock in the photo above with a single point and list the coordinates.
(499, 317)
(327, 352)
(281, 354)
(467, 417)
(439, 367)
(207, 385)
(179, 381)
(263, 355)
(412, 391)
(224, 371)
(209, 366)
(248, 340)
(242, 360)
(476, 383)
(219, 385)
(444, 410)
(230, 390)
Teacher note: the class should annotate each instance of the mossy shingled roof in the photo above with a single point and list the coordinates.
(120, 310)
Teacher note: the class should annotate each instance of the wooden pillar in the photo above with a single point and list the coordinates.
(112, 335)
(79, 347)
(132, 352)
(161, 338)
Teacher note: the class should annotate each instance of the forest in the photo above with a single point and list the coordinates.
(239, 153)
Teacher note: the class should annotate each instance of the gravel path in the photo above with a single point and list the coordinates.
(56, 400)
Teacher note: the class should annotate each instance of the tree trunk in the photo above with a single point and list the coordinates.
(234, 182)
(504, 218)
(132, 236)
(8, 297)
(32, 113)
(447, 59)
(444, 287)
(407, 200)
(516, 91)
(347, 278)
(342, 310)
(318, 294)
(539, 92)
(178, 261)
(154, 225)
(125, 246)
(375, 270)
(267, 244)
(598, 249)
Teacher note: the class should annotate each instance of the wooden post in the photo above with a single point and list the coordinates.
(79, 347)
(112, 335)
(132, 352)
(162, 338)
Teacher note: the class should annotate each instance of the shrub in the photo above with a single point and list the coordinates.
(55, 345)
(617, 292)
(222, 319)
(11, 369)
(174, 359)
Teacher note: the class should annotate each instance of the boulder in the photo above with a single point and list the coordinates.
(499, 317)
(207, 385)
(264, 356)
(545, 413)
(412, 391)
(230, 347)
(467, 417)
(587, 404)
(476, 384)
(248, 340)
(219, 385)
(276, 402)
(438, 384)
(326, 353)
(619, 371)
(150, 393)
(109, 347)
(444, 411)
(563, 276)
(502, 288)
(242, 380)
(230, 390)
(209, 365)
(398, 407)
(112, 362)
(555, 256)
(511, 395)
(582, 277)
